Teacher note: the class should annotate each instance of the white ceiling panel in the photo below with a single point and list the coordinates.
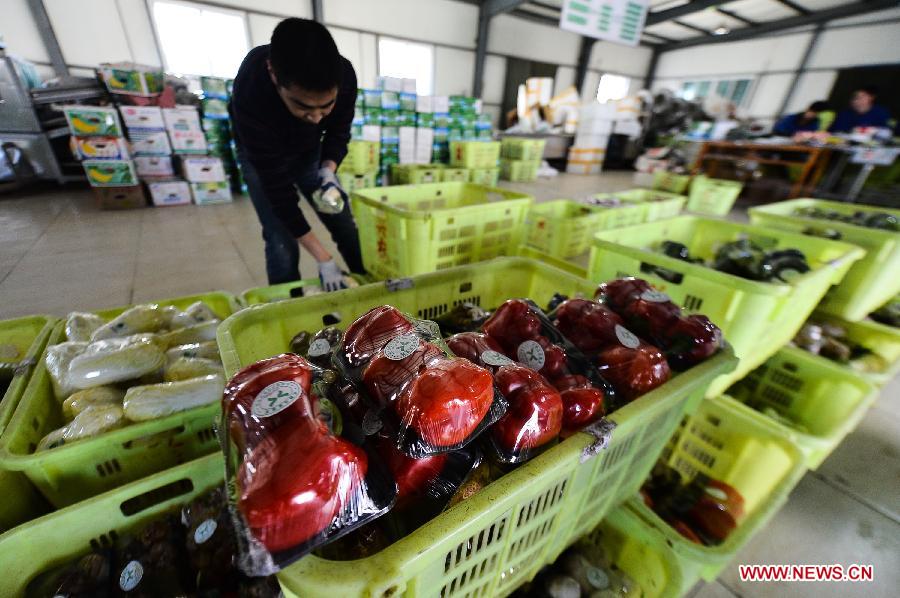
(710, 19)
(760, 10)
(815, 5)
(672, 31)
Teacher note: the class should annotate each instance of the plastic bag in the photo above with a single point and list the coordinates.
(317, 348)
(92, 421)
(80, 326)
(153, 401)
(428, 401)
(295, 483)
(195, 333)
(99, 395)
(196, 313)
(204, 350)
(185, 368)
(116, 360)
(137, 319)
(57, 360)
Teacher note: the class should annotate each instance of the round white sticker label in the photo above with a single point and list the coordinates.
(655, 297)
(401, 346)
(428, 329)
(275, 398)
(494, 358)
(531, 354)
(597, 578)
(131, 576)
(205, 531)
(627, 338)
(318, 347)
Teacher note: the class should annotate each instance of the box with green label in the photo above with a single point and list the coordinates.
(215, 108)
(211, 193)
(214, 87)
(371, 98)
(86, 121)
(110, 173)
(133, 79)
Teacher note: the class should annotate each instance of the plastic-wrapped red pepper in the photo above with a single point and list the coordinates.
(581, 407)
(511, 324)
(384, 376)
(718, 511)
(632, 366)
(478, 348)
(646, 311)
(412, 475)
(587, 324)
(690, 340)
(371, 332)
(535, 412)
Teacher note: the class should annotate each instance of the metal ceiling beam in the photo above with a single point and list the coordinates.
(795, 7)
(584, 58)
(492, 8)
(736, 17)
(534, 17)
(51, 44)
(692, 27)
(661, 16)
(486, 11)
(651, 68)
(813, 41)
(838, 12)
(662, 38)
(545, 5)
(318, 13)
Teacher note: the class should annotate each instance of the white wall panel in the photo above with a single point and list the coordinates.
(751, 56)
(494, 111)
(261, 27)
(565, 78)
(89, 31)
(616, 58)
(290, 8)
(139, 32)
(518, 37)
(368, 68)
(494, 79)
(446, 21)
(454, 71)
(20, 31)
(812, 86)
(873, 44)
(769, 93)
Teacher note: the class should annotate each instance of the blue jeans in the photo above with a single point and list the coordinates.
(282, 249)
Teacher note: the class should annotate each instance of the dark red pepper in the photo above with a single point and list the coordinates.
(371, 332)
(511, 324)
(413, 476)
(581, 407)
(633, 371)
(534, 415)
(587, 324)
(385, 377)
(691, 340)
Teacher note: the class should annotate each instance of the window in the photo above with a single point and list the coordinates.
(407, 60)
(729, 89)
(198, 40)
(612, 87)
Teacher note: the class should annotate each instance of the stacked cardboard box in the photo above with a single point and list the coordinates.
(217, 126)
(205, 174)
(595, 125)
(153, 155)
(98, 141)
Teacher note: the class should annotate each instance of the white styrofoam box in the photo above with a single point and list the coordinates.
(203, 169)
(211, 193)
(150, 143)
(93, 148)
(586, 154)
(188, 142)
(629, 127)
(182, 118)
(573, 167)
(630, 105)
(479, 106)
(538, 90)
(170, 193)
(595, 126)
(154, 166)
(649, 165)
(582, 140)
(392, 84)
(440, 104)
(371, 133)
(424, 104)
(408, 86)
(596, 110)
(142, 117)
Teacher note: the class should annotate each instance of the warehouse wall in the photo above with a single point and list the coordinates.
(773, 62)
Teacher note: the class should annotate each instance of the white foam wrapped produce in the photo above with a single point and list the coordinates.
(185, 368)
(80, 326)
(57, 360)
(137, 319)
(153, 401)
(205, 350)
(91, 397)
(196, 333)
(196, 313)
(90, 422)
(116, 360)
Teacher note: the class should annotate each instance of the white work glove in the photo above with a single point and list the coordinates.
(330, 276)
(330, 197)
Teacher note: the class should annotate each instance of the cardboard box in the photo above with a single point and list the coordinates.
(110, 173)
(142, 117)
(424, 143)
(203, 169)
(440, 104)
(587, 154)
(409, 86)
(170, 193)
(631, 128)
(408, 101)
(371, 98)
(371, 133)
(595, 126)
(154, 166)
(133, 79)
(390, 100)
(188, 142)
(394, 84)
(150, 143)
(211, 193)
(582, 140)
(120, 198)
(182, 118)
(574, 167)
(92, 121)
(93, 148)
(442, 120)
(214, 87)
(425, 104)
(215, 108)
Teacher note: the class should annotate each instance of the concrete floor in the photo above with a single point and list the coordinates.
(58, 253)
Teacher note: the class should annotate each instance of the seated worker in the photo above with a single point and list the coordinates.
(863, 112)
(807, 120)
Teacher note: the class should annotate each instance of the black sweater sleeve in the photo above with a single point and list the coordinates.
(337, 135)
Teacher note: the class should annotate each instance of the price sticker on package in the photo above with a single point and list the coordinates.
(275, 398)
(531, 354)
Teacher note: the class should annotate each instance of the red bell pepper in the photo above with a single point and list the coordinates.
(581, 407)
(633, 370)
(371, 332)
(587, 324)
(412, 475)
(691, 340)
(535, 412)
(511, 324)
(384, 377)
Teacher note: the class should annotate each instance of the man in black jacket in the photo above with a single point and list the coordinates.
(292, 109)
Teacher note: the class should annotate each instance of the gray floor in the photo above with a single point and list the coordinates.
(58, 253)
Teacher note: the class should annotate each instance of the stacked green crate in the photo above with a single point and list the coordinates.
(520, 158)
(360, 167)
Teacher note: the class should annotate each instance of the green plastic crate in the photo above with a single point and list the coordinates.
(74, 472)
(659, 204)
(60, 537)
(362, 157)
(632, 211)
(415, 174)
(281, 292)
(519, 171)
(474, 154)
(21, 342)
(484, 176)
(353, 182)
(501, 536)
(728, 441)
(873, 280)
(757, 318)
(563, 228)
(713, 197)
(559, 263)
(414, 229)
(824, 399)
(522, 148)
(454, 175)
(671, 182)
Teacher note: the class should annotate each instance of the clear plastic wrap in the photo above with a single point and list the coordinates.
(185, 368)
(80, 326)
(533, 419)
(194, 334)
(92, 421)
(295, 483)
(57, 359)
(205, 350)
(91, 397)
(427, 400)
(317, 348)
(140, 318)
(196, 313)
(115, 360)
(152, 401)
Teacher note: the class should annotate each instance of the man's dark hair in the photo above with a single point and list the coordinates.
(819, 106)
(304, 54)
(869, 89)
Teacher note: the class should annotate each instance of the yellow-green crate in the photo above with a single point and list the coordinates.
(21, 343)
(659, 204)
(728, 441)
(563, 228)
(559, 263)
(76, 471)
(415, 174)
(713, 197)
(61, 537)
(454, 175)
(522, 148)
(500, 537)
(757, 318)
(474, 154)
(414, 229)
(362, 157)
(283, 291)
(630, 211)
(671, 182)
(353, 182)
(484, 176)
(821, 400)
(519, 171)
(873, 280)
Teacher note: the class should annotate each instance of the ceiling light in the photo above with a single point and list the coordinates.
(721, 30)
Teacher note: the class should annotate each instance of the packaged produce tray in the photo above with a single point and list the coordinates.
(730, 442)
(713, 197)
(757, 318)
(76, 471)
(500, 537)
(21, 342)
(59, 537)
(414, 229)
(474, 154)
(822, 401)
(873, 280)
